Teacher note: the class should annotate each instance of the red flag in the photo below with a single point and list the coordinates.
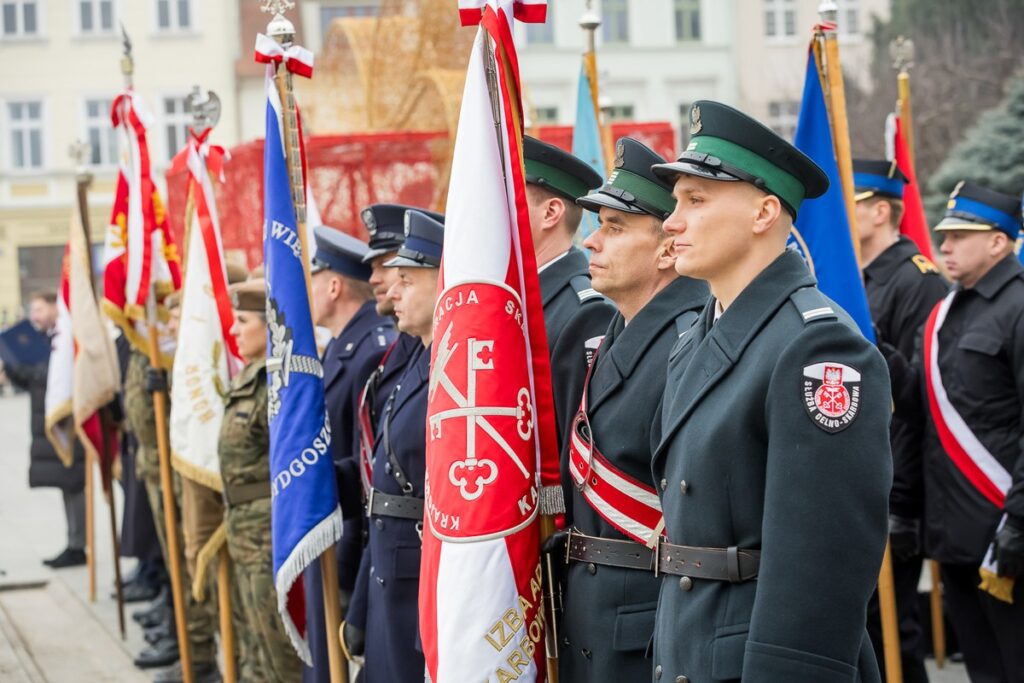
(914, 224)
(492, 462)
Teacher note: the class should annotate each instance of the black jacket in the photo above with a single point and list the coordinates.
(45, 467)
(902, 287)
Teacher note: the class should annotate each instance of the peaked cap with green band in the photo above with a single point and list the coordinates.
(726, 144)
(557, 170)
(632, 186)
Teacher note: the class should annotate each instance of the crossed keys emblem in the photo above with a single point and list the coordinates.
(473, 474)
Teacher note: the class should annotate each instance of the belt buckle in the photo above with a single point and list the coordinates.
(568, 545)
(657, 554)
(419, 531)
(369, 502)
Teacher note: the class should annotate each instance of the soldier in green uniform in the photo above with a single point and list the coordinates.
(139, 383)
(771, 447)
(244, 453)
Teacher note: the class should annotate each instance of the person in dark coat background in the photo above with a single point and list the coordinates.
(45, 466)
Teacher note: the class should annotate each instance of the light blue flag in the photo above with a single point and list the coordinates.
(305, 517)
(822, 231)
(586, 142)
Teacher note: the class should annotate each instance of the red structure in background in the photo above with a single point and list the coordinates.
(349, 172)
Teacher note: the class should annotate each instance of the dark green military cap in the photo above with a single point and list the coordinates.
(632, 186)
(557, 170)
(726, 144)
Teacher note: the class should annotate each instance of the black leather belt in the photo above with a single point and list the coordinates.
(387, 505)
(717, 564)
(246, 493)
(608, 552)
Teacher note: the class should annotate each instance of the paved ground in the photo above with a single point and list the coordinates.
(49, 631)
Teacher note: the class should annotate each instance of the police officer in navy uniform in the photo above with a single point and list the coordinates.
(343, 303)
(388, 584)
(575, 315)
(611, 590)
(902, 287)
(771, 446)
(974, 492)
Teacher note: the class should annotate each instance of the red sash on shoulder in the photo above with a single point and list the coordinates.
(366, 427)
(628, 504)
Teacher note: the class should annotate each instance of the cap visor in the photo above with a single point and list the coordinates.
(317, 266)
(595, 200)
(671, 170)
(374, 253)
(403, 262)
(954, 223)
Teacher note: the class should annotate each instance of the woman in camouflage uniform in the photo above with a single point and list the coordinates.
(265, 653)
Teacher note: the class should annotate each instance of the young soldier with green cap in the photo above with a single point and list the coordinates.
(902, 287)
(611, 589)
(772, 442)
(969, 390)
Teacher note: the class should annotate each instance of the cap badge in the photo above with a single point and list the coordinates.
(952, 196)
(408, 223)
(695, 124)
(369, 221)
(620, 153)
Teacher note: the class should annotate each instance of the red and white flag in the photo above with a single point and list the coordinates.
(492, 461)
(140, 256)
(60, 374)
(206, 357)
(914, 223)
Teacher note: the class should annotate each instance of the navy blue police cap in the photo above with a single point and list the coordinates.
(385, 224)
(555, 169)
(339, 253)
(973, 207)
(726, 144)
(877, 178)
(424, 237)
(632, 185)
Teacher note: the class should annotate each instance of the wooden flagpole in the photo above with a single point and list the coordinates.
(589, 22)
(164, 451)
(902, 51)
(227, 632)
(826, 47)
(283, 31)
(90, 525)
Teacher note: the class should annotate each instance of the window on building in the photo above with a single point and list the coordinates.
(615, 21)
(99, 133)
(25, 123)
(849, 17)
(545, 116)
(618, 112)
(779, 18)
(782, 117)
(687, 20)
(542, 34)
(684, 124)
(96, 16)
(177, 119)
(20, 18)
(329, 13)
(174, 15)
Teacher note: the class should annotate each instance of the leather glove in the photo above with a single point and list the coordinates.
(1010, 550)
(156, 380)
(904, 537)
(353, 641)
(554, 544)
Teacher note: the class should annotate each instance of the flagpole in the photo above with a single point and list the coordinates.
(90, 523)
(84, 180)
(902, 51)
(589, 22)
(163, 448)
(283, 31)
(826, 45)
(547, 523)
(227, 632)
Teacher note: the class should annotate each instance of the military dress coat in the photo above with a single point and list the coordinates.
(745, 458)
(608, 614)
(385, 600)
(348, 361)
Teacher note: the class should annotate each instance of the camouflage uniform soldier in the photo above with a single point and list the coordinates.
(245, 468)
(200, 619)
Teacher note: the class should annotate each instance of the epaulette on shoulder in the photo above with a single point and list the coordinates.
(584, 288)
(812, 305)
(923, 264)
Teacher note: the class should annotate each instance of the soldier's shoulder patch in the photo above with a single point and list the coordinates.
(831, 395)
(923, 264)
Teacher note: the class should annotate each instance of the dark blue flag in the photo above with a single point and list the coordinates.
(305, 517)
(822, 231)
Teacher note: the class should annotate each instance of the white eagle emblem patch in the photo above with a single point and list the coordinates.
(831, 393)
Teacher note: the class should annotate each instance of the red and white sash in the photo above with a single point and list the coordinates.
(973, 460)
(628, 504)
(366, 426)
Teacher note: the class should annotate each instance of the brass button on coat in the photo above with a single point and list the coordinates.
(685, 583)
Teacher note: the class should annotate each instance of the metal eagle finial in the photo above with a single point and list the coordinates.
(127, 61)
(279, 27)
